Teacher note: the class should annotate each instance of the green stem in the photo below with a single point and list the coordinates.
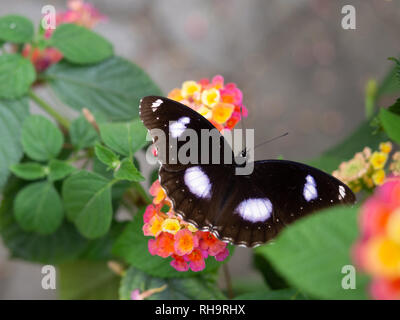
(46, 107)
(228, 281)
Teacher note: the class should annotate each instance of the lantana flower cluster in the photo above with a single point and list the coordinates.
(366, 169)
(378, 250)
(188, 246)
(78, 12)
(220, 103)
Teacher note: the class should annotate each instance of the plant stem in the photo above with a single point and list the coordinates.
(228, 280)
(46, 107)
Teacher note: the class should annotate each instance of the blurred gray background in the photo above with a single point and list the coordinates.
(298, 69)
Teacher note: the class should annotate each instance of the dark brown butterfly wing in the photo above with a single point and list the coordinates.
(250, 210)
(243, 210)
(169, 122)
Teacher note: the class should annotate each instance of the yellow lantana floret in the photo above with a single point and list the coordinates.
(222, 112)
(190, 89)
(156, 225)
(383, 257)
(378, 160)
(379, 177)
(171, 225)
(385, 147)
(210, 97)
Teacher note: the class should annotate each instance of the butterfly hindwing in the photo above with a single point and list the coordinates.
(250, 210)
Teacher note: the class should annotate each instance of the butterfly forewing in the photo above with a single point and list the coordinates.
(173, 124)
(245, 210)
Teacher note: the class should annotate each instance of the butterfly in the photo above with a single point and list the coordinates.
(245, 210)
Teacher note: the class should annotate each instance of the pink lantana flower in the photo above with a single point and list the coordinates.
(377, 252)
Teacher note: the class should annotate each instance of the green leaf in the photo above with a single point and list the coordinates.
(271, 276)
(100, 249)
(12, 115)
(82, 133)
(113, 87)
(118, 189)
(29, 170)
(132, 246)
(125, 138)
(283, 294)
(59, 169)
(128, 171)
(87, 280)
(16, 76)
(80, 45)
(391, 124)
(363, 136)
(311, 253)
(107, 156)
(200, 287)
(16, 29)
(65, 244)
(41, 139)
(87, 200)
(38, 208)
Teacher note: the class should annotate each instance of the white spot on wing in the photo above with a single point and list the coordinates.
(156, 104)
(198, 182)
(342, 192)
(255, 210)
(178, 127)
(310, 189)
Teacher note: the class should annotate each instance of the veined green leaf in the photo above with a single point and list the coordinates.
(80, 45)
(16, 29)
(41, 139)
(38, 208)
(12, 115)
(87, 200)
(59, 169)
(128, 171)
(125, 138)
(82, 133)
(106, 156)
(29, 170)
(311, 254)
(16, 76)
(112, 87)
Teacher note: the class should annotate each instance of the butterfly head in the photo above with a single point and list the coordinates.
(242, 158)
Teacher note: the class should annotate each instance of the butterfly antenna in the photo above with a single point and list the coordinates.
(268, 141)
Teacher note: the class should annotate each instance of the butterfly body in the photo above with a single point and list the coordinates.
(245, 210)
